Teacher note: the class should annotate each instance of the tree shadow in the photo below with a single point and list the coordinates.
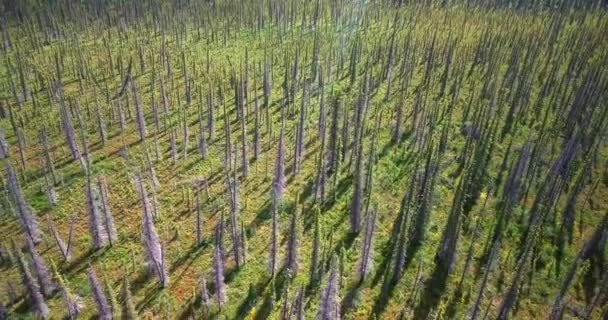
(345, 242)
(341, 188)
(231, 273)
(410, 253)
(191, 305)
(138, 283)
(387, 254)
(307, 190)
(390, 280)
(250, 299)
(457, 300)
(351, 299)
(433, 289)
(150, 295)
(22, 308)
(385, 293)
(266, 308)
(262, 215)
(190, 256)
(82, 262)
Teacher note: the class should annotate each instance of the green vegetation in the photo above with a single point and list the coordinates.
(289, 159)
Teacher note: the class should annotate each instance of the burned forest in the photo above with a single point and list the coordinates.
(323, 159)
